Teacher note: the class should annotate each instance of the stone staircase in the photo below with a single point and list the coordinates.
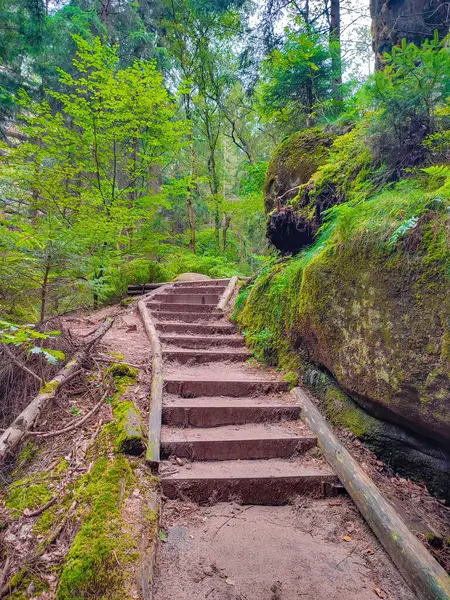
(233, 426)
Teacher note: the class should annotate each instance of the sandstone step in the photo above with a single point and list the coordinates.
(202, 342)
(187, 317)
(190, 388)
(195, 328)
(245, 442)
(206, 283)
(215, 412)
(266, 482)
(184, 308)
(182, 298)
(197, 289)
(206, 356)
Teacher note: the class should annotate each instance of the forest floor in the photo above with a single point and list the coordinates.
(309, 549)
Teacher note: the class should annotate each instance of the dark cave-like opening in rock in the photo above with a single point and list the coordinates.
(288, 231)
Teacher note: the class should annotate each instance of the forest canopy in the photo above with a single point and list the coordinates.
(136, 136)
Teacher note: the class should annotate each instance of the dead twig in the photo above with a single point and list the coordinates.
(7, 588)
(19, 363)
(49, 434)
(4, 571)
(231, 518)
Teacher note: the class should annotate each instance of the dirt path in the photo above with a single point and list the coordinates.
(251, 510)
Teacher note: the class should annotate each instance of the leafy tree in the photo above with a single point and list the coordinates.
(83, 172)
(22, 27)
(405, 104)
(297, 79)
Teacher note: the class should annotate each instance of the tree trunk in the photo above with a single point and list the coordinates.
(214, 186)
(104, 11)
(309, 103)
(191, 217)
(189, 204)
(335, 43)
(414, 20)
(225, 226)
(44, 290)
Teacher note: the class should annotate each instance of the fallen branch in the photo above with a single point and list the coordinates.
(10, 439)
(91, 413)
(20, 364)
(4, 571)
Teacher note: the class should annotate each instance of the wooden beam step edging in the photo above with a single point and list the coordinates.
(226, 296)
(274, 482)
(157, 388)
(427, 578)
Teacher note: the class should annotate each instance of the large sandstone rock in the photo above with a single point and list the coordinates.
(380, 323)
(377, 319)
(293, 163)
(192, 277)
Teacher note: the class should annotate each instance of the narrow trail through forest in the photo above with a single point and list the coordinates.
(251, 510)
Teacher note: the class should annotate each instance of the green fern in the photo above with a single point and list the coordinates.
(438, 171)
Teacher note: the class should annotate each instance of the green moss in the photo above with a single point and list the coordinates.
(152, 516)
(61, 467)
(28, 492)
(294, 161)
(343, 412)
(291, 378)
(101, 552)
(126, 302)
(49, 387)
(117, 356)
(121, 370)
(29, 451)
(21, 581)
(127, 427)
(47, 520)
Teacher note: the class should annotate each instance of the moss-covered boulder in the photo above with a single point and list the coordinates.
(381, 324)
(293, 163)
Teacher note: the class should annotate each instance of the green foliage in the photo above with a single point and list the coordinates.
(404, 103)
(25, 336)
(121, 370)
(298, 79)
(83, 173)
(214, 266)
